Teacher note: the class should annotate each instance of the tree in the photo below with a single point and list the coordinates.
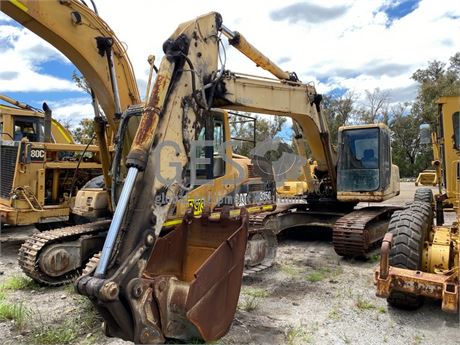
(338, 112)
(435, 81)
(84, 132)
(81, 82)
(241, 128)
(375, 108)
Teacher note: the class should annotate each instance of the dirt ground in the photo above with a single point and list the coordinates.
(310, 296)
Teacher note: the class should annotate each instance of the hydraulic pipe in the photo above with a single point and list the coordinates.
(239, 42)
(104, 46)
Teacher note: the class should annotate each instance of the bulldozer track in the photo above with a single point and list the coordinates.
(29, 253)
(354, 235)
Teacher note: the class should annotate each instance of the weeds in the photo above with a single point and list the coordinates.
(382, 310)
(250, 303)
(316, 276)
(51, 334)
(298, 335)
(18, 282)
(374, 258)
(363, 304)
(255, 292)
(290, 270)
(334, 314)
(16, 312)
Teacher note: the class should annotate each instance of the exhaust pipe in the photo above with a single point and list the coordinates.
(47, 122)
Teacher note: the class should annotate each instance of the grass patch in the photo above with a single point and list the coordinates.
(18, 282)
(290, 269)
(382, 310)
(334, 314)
(316, 276)
(255, 292)
(374, 258)
(297, 336)
(51, 334)
(2, 295)
(16, 312)
(86, 321)
(363, 304)
(250, 303)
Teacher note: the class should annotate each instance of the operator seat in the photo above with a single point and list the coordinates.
(369, 161)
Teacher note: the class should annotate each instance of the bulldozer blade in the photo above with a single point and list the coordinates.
(197, 272)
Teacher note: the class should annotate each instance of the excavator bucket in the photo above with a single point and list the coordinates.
(187, 286)
(197, 271)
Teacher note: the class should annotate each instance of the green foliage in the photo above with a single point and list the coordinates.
(241, 128)
(316, 276)
(338, 112)
(18, 282)
(364, 304)
(54, 335)
(84, 132)
(255, 292)
(298, 335)
(249, 303)
(14, 311)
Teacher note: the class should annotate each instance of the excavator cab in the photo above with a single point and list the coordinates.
(364, 170)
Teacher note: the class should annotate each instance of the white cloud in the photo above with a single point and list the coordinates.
(72, 111)
(20, 60)
(356, 40)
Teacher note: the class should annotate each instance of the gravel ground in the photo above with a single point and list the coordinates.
(311, 295)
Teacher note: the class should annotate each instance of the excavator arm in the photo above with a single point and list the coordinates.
(149, 285)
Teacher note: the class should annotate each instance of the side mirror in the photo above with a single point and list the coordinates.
(425, 134)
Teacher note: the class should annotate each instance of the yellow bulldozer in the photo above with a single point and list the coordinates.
(419, 259)
(41, 166)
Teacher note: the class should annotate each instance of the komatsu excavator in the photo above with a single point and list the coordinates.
(183, 282)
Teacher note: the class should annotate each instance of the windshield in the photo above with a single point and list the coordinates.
(359, 160)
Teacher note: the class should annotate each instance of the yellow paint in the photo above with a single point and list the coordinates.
(19, 5)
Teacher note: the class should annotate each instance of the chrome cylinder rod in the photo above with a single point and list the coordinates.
(116, 223)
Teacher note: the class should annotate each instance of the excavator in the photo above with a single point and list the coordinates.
(41, 166)
(54, 257)
(152, 283)
(419, 259)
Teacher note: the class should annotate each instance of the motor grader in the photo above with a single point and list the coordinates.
(419, 259)
(151, 283)
(41, 166)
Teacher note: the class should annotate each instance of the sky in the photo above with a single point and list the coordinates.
(337, 45)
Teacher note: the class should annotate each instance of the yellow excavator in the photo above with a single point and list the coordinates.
(54, 257)
(419, 259)
(41, 167)
(152, 282)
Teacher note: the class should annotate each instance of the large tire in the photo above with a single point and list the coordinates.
(409, 228)
(424, 195)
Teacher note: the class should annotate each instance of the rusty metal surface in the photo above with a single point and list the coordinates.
(29, 253)
(357, 232)
(197, 273)
(438, 286)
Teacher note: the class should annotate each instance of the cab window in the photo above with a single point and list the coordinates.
(456, 119)
(359, 154)
(29, 128)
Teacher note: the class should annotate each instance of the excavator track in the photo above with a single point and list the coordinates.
(356, 233)
(29, 253)
(259, 232)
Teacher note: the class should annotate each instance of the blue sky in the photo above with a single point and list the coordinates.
(339, 46)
